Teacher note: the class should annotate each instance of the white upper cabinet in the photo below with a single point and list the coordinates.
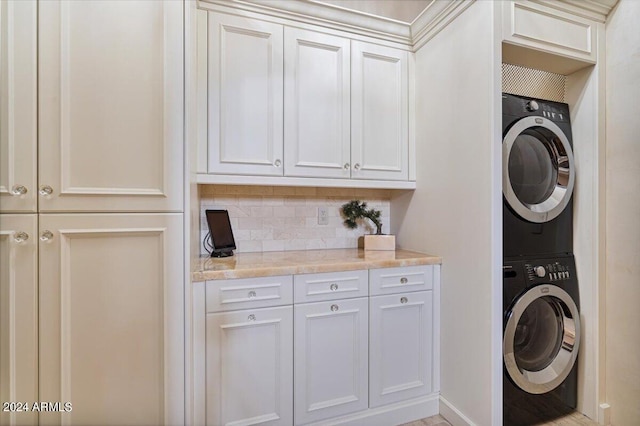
(110, 105)
(379, 112)
(18, 106)
(546, 29)
(290, 104)
(245, 78)
(316, 104)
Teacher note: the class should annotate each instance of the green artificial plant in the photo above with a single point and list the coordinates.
(355, 210)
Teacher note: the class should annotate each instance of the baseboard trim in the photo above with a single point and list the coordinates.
(392, 414)
(453, 415)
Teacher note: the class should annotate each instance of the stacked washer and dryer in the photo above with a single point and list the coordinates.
(541, 334)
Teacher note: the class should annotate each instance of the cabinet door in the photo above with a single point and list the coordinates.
(18, 105)
(245, 96)
(379, 112)
(317, 115)
(401, 351)
(110, 105)
(111, 318)
(18, 315)
(331, 353)
(249, 367)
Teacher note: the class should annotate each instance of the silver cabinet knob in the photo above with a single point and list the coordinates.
(20, 237)
(356, 166)
(46, 190)
(334, 287)
(277, 163)
(252, 294)
(18, 190)
(403, 280)
(46, 236)
(347, 166)
(251, 317)
(403, 300)
(334, 308)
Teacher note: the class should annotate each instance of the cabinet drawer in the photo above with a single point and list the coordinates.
(227, 295)
(401, 280)
(330, 286)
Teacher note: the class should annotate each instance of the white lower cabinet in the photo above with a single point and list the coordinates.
(249, 359)
(266, 351)
(401, 346)
(18, 316)
(331, 359)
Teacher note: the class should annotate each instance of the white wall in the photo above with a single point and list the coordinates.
(456, 209)
(623, 214)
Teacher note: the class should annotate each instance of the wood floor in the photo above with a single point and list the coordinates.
(571, 419)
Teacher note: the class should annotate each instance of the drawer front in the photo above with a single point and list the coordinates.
(246, 293)
(401, 280)
(330, 286)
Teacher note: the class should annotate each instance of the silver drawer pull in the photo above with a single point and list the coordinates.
(334, 308)
(403, 300)
(404, 280)
(334, 287)
(251, 317)
(252, 294)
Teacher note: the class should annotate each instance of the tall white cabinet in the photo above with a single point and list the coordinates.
(18, 106)
(91, 217)
(110, 106)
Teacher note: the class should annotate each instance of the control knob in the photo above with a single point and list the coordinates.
(540, 271)
(532, 106)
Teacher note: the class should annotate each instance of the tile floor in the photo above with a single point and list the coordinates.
(572, 419)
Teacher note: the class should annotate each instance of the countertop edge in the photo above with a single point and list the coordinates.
(410, 258)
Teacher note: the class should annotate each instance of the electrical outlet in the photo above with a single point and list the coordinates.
(323, 216)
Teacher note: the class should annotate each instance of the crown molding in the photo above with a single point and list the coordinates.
(324, 15)
(437, 15)
(434, 18)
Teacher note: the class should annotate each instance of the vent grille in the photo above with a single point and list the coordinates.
(533, 83)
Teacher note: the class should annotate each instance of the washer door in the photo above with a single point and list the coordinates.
(538, 172)
(541, 339)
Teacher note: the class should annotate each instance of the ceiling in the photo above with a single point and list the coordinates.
(399, 10)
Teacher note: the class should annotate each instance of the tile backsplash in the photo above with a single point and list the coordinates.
(276, 218)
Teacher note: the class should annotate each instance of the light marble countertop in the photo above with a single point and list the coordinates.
(264, 264)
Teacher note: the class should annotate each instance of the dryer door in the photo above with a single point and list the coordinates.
(538, 171)
(541, 338)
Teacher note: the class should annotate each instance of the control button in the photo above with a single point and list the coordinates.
(540, 271)
(532, 106)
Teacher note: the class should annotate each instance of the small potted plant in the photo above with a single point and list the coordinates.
(355, 211)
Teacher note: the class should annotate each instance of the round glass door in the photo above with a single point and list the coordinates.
(541, 339)
(538, 170)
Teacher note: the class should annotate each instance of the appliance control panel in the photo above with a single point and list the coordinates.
(520, 106)
(548, 271)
